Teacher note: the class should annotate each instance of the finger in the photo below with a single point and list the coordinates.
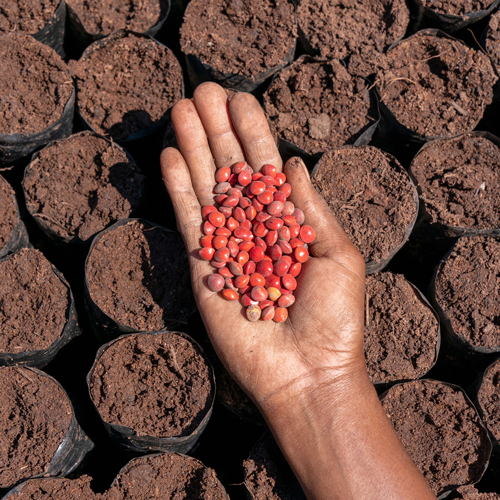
(253, 131)
(212, 105)
(193, 144)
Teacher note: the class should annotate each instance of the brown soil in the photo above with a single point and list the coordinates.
(126, 85)
(139, 276)
(318, 105)
(339, 28)
(35, 85)
(8, 211)
(166, 476)
(81, 185)
(460, 182)
(33, 303)
(371, 196)
(489, 399)
(134, 371)
(440, 431)
(493, 40)
(57, 489)
(457, 7)
(28, 16)
(100, 17)
(470, 493)
(401, 330)
(436, 87)
(238, 37)
(35, 415)
(468, 290)
(268, 475)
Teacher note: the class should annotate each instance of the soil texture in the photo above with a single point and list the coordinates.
(493, 40)
(371, 196)
(158, 385)
(8, 211)
(139, 276)
(35, 85)
(400, 331)
(33, 303)
(35, 415)
(127, 85)
(100, 17)
(168, 475)
(457, 7)
(471, 493)
(57, 489)
(459, 181)
(440, 430)
(268, 475)
(28, 16)
(81, 185)
(468, 290)
(436, 87)
(489, 399)
(238, 37)
(318, 105)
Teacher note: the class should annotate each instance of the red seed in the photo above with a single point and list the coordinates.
(206, 210)
(296, 242)
(246, 246)
(258, 292)
(229, 283)
(271, 238)
(235, 192)
(257, 176)
(289, 220)
(217, 265)
(246, 300)
(295, 269)
(250, 267)
(245, 289)
(286, 188)
(276, 252)
(232, 223)
(301, 254)
(219, 242)
(274, 223)
(307, 234)
(272, 189)
(226, 273)
(265, 303)
(260, 230)
(280, 178)
(253, 312)
(288, 282)
(268, 181)
(238, 167)
(262, 217)
(257, 205)
(274, 293)
(256, 254)
(207, 253)
(256, 187)
(245, 178)
(285, 291)
(208, 228)
(229, 294)
(269, 169)
(257, 279)
(274, 281)
(281, 267)
(299, 216)
(222, 174)
(286, 300)
(265, 198)
(286, 248)
(220, 198)
(279, 196)
(239, 214)
(230, 201)
(242, 258)
(265, 268)
(275, 208)
(288, 259)
(259, 242)
(242, 280)
(234, 249)
(250, 213)
(235, 268)
(233, 179)
(217, 219)
(268, 313)
(215, 282)
(222, 187)
(284, 233)
(243, 233)
(244, 202)
(288, 208)
(280, 314)
(222, 255)
(206, 241)
(226, 211)
(294, 231)
(247, 224)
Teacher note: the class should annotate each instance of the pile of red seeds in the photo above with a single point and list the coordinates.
(255, 239)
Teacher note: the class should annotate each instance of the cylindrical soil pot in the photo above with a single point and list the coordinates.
(126, 85)
(77, 187)
(37, 311)
(40, 436)
(458, 181)
(316, 105)
(91, 20)
(168, 475)
(359, 29)
(45, 20)
(471, 493)
(137, 279)
(238, 44)
(153, 391)
(268, 475)
(54, 489)
(465, 294)
(38, 105)
(441, 431)
(13, 234)
(402, 334)
(450, 15)
(372, 197)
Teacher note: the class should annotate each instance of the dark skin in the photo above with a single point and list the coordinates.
(306, 375)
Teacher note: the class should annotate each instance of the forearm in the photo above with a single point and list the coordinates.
(341, 445)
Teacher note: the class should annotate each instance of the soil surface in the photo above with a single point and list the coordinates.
(468, 290)
(440, 431)
(127, 85)
(238, 37)
(400, 330)
(35, 85)
(339, 28)
(460, 182)
(268, 475)
(489, 399)
(436, 87)
(100, 17)
(371, 196)
(29, 16)
(318, 105)
(57, 489)
(139, 276)
(8, 211)
(81, 185)
(158, 385)
(166, 476)
(35, 415)
(493, 40)
(470, 493)
(34, 303)
(457, 7)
